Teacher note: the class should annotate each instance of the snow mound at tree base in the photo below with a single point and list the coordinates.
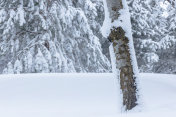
(83, 95)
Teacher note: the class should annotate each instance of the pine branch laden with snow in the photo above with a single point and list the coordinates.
(153, 27)
(51, 36)
(119, 33)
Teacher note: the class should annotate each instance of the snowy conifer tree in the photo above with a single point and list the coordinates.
(150, 32)
(17, 67)
(64, 34)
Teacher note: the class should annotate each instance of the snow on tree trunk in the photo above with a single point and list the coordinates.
(123, 63)
(121, 38)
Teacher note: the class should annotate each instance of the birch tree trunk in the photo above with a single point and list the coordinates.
(124, 56)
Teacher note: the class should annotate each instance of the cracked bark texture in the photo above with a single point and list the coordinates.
(123, 58)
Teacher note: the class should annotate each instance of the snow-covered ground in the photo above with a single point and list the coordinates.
(83, 95)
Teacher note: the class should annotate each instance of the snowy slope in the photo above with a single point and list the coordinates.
(58, 94)
(82, 95)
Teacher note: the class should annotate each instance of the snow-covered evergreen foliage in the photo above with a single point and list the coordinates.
(151, 33)
(167, 60)
(51, 36)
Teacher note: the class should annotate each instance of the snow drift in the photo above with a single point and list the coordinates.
(78, 95)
